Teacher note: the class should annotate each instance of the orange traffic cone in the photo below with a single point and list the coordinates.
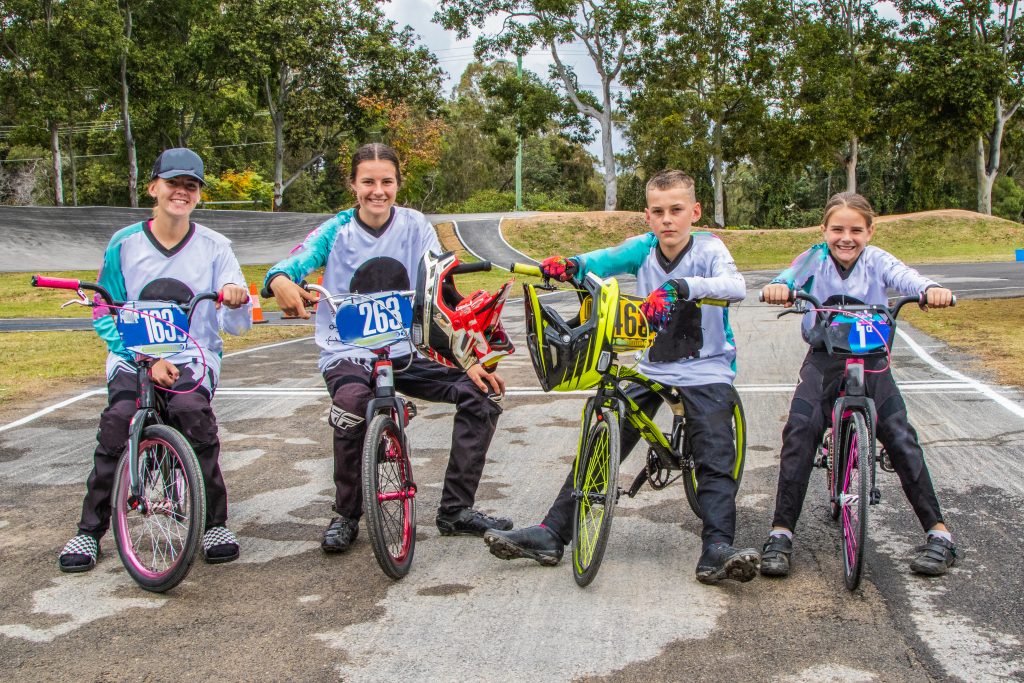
(257, 309)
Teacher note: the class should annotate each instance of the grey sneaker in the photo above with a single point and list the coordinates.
(934, 557)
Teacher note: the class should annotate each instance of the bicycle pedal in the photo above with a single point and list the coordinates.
(410, 411)
(885, 462)
(875, 496)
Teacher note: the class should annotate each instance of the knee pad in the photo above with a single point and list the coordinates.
(348, 410)
(112, 433)
(193, 416)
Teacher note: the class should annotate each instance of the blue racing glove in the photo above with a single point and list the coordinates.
(559, 268)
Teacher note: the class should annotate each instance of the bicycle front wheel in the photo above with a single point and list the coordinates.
(389, 496)
(159, 532)
(595, 491)
(739, 440)
(858, 456)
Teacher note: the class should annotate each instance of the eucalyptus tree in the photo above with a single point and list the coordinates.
(611, 32)
(48, 53)
(966, 63)
(844, 64)
(704, 92)
(309, 60)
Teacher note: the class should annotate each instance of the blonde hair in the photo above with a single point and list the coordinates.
(849, 200)
(669, 178)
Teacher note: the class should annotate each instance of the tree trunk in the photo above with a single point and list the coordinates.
(58, 177)
(717, 173)
(74, 169)
(126, 121)
(275, 103)
(851, 164)
(611, 183)
(985, 179)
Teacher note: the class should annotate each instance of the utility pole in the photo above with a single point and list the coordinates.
(519, 152)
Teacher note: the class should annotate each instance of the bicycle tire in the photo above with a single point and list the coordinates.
(739, 436)
(595, 490)
(859, 454)
(158, 540)
(389, 496)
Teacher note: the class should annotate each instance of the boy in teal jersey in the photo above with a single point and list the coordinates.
(693, 352)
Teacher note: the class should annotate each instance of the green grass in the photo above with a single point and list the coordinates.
(924, 238)
(40, 364)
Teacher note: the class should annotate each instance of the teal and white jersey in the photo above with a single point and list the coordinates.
(697, 348)
(867, 281)
(357, 258)
(137, 267)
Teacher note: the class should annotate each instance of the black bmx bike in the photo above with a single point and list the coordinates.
(847, 452)
(158, 503)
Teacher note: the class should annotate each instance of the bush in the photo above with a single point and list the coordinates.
(232, 186)
(1007, 199)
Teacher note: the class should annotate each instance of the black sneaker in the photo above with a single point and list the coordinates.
(219, 545)
(722, 561)
(532, 543)
(339, 535)
(469, 522)
(935, 557)
(775, 556)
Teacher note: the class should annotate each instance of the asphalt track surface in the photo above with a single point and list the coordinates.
(287, 611)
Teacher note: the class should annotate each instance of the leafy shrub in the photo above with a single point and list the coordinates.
(492, 201)
(234, 186)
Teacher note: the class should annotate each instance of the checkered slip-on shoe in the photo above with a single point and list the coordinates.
(219, 545)
(79, 554)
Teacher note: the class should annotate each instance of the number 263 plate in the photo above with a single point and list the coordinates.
(374, 320)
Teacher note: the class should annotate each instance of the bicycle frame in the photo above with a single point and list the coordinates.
(151, 405)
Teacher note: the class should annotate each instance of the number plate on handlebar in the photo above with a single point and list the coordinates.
(153, 329)
(631, 331)
(374, 320)
(864, 334)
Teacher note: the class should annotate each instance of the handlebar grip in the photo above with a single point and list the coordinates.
(526, 269)
(477, 267)
(55, 282)
(713, 302)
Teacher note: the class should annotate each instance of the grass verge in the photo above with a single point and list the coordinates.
(986, 329)
(929, 237)
(37, 365)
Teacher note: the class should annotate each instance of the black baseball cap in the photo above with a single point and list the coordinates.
(178, 161)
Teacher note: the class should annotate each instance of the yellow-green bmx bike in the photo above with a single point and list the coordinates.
(582, 353)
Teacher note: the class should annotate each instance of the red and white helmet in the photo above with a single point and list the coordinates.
(455, 330)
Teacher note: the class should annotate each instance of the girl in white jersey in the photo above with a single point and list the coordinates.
(377, 247)
(167, 258)
(845, 266)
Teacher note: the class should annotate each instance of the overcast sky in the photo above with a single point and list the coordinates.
(454, 55)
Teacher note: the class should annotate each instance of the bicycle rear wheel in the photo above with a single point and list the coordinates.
(389, 496)
(595, 491)
(858, 455)
(158, 534)
(739, 437)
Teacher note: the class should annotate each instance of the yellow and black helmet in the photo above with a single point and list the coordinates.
(570, 355)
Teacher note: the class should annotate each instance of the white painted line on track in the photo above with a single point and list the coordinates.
(983, 389)
(94, 392)
(458, 234)
(501, 236)
(50, 409)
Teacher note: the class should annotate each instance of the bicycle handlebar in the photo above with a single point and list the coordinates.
(476, 267)
(919, 299)
(526, 269)
(77, 285)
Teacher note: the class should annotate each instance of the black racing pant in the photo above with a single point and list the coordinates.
(476, 418)
(709, 411)
(810, 414)
(190, 413)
